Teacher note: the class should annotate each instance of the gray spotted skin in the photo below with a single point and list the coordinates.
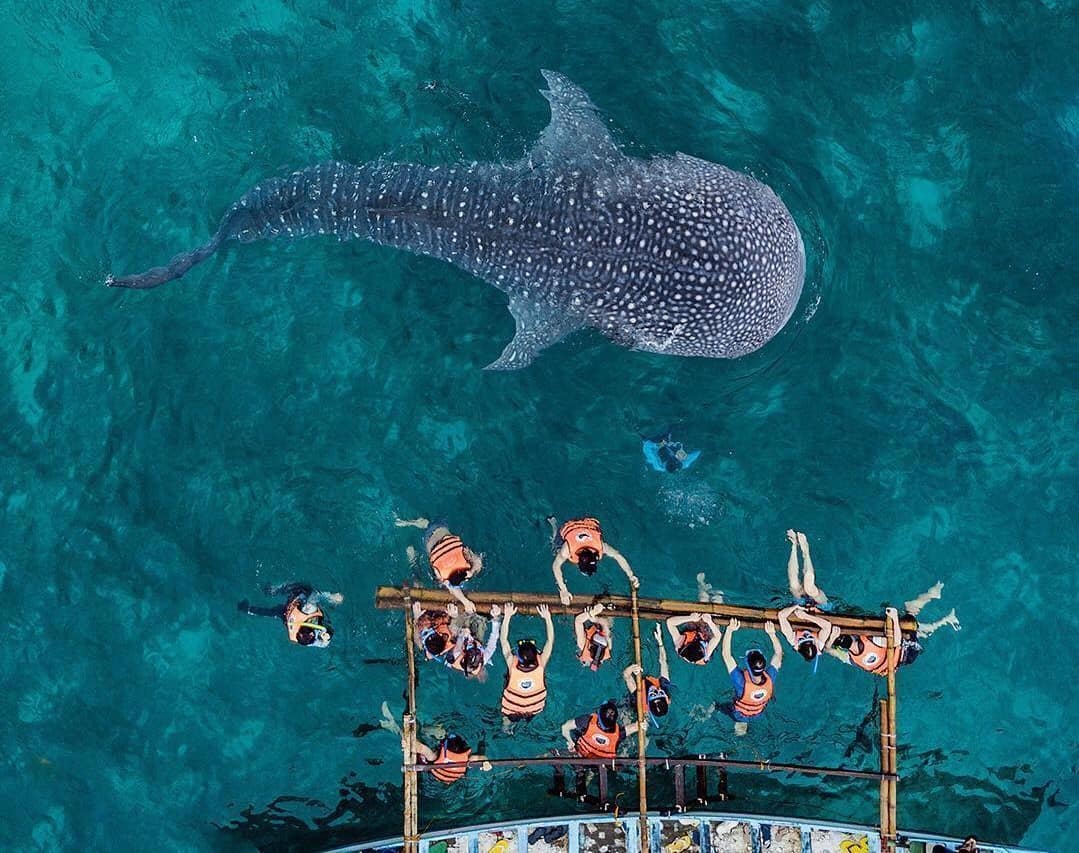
(671, 255)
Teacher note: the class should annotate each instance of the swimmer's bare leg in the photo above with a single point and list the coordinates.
(413, 557)
(388, 722)
(808, 574)
(410, 522)
(914, 607)
(927, 629)
(706, 593)
(329, 597)
(551, 520)
(741, 729)
(792, 566)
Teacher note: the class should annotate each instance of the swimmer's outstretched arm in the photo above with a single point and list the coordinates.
(556, 569)
(568, 728)
(456, 592)
(664, 669)
(425, 752)
(475, 561)
(676, 622)
(629, 675)
(717, 634)
(548, 647)
(777, 647)
(728, 658)
(496, 632)
(410, 522)
(509, 609)
(578, 627)
(614, 554)
(785, 623)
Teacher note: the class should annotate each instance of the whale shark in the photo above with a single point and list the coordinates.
(671, 254)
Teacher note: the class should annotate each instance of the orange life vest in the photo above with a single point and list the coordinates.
(295, 617)
(594, 742)
(873, 657)
(437, 621)
(691, 635)
(450, 774)
(585, 654)
(580, 533)
(448, 556)
(754, 696)
(525, 693)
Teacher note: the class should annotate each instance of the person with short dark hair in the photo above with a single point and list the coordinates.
(470, 655)
(754, 685)
(594, 635)
(597, 735)
(436, 630)
(452, 757)
(657, 691)
(525, 691)
(695, 637)
(452, 562)
(304, 619)
(580, 541)
(811, 640)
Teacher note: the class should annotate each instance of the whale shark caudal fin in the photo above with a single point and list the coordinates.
(538, 327)
(576, 137)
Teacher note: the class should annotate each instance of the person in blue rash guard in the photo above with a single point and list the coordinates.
(754, 685)
(667, 456)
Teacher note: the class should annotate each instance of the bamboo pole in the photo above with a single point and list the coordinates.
(892, 740)
(408, 727)
(394, 598)
(885, 830)
(642, 786)
(659, 761)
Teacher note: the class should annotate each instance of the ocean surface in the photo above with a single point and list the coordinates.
(165, 453)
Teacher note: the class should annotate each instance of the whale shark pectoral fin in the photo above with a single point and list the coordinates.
(576, 135)
(537, 328)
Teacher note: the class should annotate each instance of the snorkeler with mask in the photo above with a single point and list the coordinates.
(754, 684)
(525, 692)
(580, 541)
(657, 691)
(304, 619)
(667, 456)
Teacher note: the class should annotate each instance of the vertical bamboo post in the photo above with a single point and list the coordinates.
(641, 743)
(893, 742)
(408, 741)
(884, 790)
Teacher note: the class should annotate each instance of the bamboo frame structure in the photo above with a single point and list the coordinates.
(394, 598)
(633, 607)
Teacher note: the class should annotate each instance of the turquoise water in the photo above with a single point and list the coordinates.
(167, 452)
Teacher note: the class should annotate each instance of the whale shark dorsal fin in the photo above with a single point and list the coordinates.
(538, 326)
(576, 135)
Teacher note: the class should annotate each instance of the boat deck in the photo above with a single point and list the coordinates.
(686, 833)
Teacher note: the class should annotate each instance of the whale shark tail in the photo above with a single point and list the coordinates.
(173, 269)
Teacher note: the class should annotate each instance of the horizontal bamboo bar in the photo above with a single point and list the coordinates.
(394, 598)
(631, 763)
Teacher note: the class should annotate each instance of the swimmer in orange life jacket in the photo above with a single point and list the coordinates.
(593, 635)
(695, 636)
(754, 685)
(869, 653)
(580, 541)
(469, 654)
(436, 630)
(525, 691)
(304, 620)
(657, 694)
(597, 735)
(451, 560)
(452, 749)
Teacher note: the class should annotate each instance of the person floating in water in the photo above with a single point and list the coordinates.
(805, 591)
(304, 620)
(593, 633)
(452, 561)
(580, 541)
(470, 655)
(597, 735)
(666, 455)
(451, 750)
(436, 630)
(525, 691)
(695, 636)
(809, 641)
(870, 653)
(657, 691)
(754, 685)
